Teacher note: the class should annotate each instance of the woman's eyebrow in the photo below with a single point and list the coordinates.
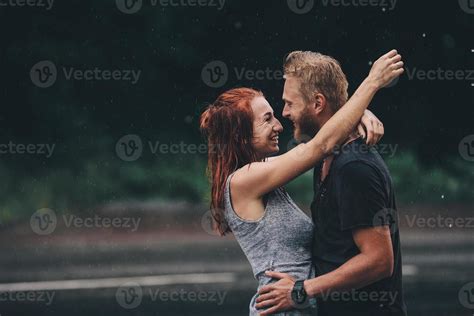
(268, 114)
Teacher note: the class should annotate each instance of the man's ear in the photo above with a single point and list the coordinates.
(319, 103)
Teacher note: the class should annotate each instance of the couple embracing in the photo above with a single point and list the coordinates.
(340, 261)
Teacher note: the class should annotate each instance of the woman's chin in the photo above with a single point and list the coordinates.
(274, 149)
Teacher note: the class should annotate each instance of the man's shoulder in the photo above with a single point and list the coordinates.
(358, 155)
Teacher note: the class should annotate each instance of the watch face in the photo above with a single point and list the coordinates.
(299, 297)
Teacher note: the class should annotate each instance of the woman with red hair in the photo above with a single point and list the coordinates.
(247, 197)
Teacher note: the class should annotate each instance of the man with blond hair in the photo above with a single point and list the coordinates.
(356, 243)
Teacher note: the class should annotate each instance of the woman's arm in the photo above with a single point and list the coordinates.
(259, 178)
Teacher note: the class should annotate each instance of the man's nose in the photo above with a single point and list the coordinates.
(286, 112)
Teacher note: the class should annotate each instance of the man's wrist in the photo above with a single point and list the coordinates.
(307, 288)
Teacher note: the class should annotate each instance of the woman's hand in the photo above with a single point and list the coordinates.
(386, 69)
(370, 128)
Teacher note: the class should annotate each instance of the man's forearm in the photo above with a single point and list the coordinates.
(358, 272)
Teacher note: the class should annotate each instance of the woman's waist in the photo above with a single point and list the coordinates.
(298, 270)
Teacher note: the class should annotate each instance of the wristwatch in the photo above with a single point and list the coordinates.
(298, 294)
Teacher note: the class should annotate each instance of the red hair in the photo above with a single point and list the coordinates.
(228, 126)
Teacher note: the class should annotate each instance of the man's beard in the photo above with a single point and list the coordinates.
(307, 127)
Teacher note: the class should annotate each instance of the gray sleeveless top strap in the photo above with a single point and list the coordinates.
(280, 240)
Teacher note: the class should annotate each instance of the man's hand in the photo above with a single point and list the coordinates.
(277, 295)
(370, 128)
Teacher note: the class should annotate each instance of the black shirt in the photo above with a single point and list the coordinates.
(357, 192)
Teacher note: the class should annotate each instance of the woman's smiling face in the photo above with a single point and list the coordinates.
(266, 128)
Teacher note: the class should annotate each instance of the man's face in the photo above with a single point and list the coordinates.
(298, 111)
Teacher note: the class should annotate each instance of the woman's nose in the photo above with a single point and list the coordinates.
(278, 127)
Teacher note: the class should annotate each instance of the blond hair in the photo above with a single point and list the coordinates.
(318, 73)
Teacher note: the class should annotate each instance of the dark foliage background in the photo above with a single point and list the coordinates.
(170, 46)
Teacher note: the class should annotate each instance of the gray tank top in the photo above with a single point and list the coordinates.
(280, 240)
